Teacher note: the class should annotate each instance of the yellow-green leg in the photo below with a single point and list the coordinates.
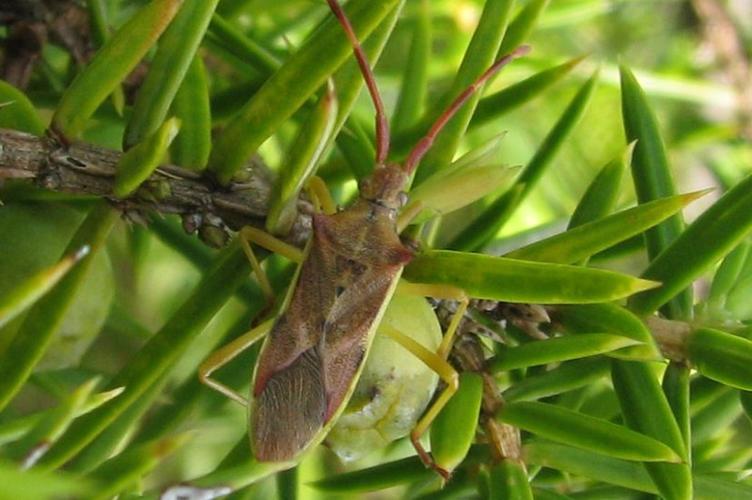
(227, 353)
(439, 291)
(436, 361)
(249, 235)
(322, 198)
(445, 371)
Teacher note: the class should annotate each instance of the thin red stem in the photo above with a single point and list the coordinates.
(422, 147)
(382, 125)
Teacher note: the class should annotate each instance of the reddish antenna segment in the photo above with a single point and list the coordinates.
(382, 124)
(422, 147)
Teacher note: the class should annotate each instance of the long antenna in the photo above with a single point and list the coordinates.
(382, 125)
(422, 147)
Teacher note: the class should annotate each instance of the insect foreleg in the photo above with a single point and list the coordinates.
(227, 353)
(439, 291)
(445, 371)
(319, 192)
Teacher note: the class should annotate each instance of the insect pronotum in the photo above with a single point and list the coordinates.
(310, 362)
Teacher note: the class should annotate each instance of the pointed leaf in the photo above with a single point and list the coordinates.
(514, 96)
(452, 189)
(646, 410)
(583, 431)
(30, 290)
(588, 464)
(722, 357)
(523, 25)
(588, 239)
(609, 318)
(289, 87)
(301, 162)
(711, 236)
(558, 349)
(497, 278)
(177, 48)
(45, 317)
(412, 97)
(566, 377)
(651, 174)
(192, 146)
(111, 65)
(17, 111)
(479, 56)
(602, 194)
(487, 225)
(139, 162)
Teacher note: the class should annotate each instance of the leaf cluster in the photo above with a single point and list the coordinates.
(635, 379)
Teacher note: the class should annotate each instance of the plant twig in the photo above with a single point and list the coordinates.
(86, 169)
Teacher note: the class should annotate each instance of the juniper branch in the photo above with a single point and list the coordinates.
(87, 169)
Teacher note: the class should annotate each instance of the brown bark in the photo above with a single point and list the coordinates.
(87, 169)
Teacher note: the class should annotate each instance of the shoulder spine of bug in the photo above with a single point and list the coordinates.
(309, 364)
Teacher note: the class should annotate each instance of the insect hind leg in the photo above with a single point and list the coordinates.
(227, 353)
(445, 371)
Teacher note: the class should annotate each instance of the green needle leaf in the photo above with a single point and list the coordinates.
(722, 357)
(602, 194)
(485, 227)
(177, 48)
(610, 318)
(17, 111)
(453, 430)
(730, 270)
(588, 464)
(711, 236)
(453, 188)
(566, 377)
(522, 25)
(646, 410)
(45, 317)
(375, 478)
(29, 291)
(583, 431)
(139, 162)
(291, 85)
(192, 146)
(514, 96)
(157, 355)
(651, 174)
(590, 238)
(497, 278)
(38, 440)
(557, 349)
(414, 87)
(111, 65)
(301, 162)
(480, 54)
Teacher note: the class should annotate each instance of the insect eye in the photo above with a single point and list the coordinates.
(402, 198)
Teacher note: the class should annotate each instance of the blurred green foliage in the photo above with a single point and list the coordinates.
(153, 302)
